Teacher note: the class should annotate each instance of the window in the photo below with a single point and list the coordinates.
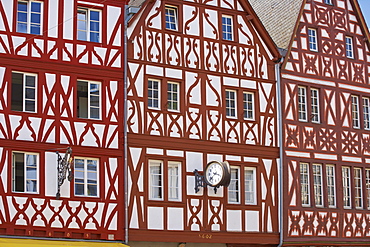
(315, 114)
(366, 109)
(317, 184)
(346, 187)
(368, 187)
(23, 92)
(171, 17)
(29, 17)
(312, 39)
(86, 176)
(349, 47)
(227, 27)
(355, 112)
(234, 187)
(305, 186)
(328, 2)
(302, 104)
(230, 103)
(25, 172)
(155, 180)
(174, 181)
(88, 25)
(153, 94)
(250, 185)
(88, 94)
(330, 180)
(358, 187)
(173, 96)
(248, 105)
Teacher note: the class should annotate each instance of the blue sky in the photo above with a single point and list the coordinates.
(365, 7)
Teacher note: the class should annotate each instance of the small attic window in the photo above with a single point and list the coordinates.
(171, 18)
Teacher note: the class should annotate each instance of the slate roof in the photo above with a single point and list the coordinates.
(279, 18)
(135, 3)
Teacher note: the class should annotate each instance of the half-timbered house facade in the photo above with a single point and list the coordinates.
(201, 88)
(61, 85)
(325, 104)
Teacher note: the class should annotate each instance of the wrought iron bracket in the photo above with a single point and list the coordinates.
(64, 165)
(200, 182)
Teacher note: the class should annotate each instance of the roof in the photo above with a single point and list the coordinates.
(135, 3)
(272, 12)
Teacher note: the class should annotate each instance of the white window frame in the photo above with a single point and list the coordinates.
(227, 28)
(355, 111)
(305, 184)
(330, 183)
(171, 12)
(88, 30)
(346, 180)
(234, 187)
(86, 171)
(29, 14)
(91, 94)
(26, 178)
(248, 106)
(174, 165)
(152, 99)
(253, 190)
(171, 101)
(302, 103)
(358, 187)
(368, 187)
(366, 111)
(318, 184)
(156, 163)
(231, 111)
(349, 47)
(315, 105)
(328, 2)
(312, 39)
(25, 87)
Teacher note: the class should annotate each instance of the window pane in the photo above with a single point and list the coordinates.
(18, 172)
(82, 96)
(17, 92)
(95, 15)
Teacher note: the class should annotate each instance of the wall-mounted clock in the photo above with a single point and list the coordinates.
(217, 173)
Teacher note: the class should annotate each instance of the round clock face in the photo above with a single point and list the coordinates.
(214, 173)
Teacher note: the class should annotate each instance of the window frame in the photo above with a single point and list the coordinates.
(228, 107)
(245, 103)
(158, 99)
(305, 183)
(254, 184)
(89, 105)
(86, 178)
(302, 104)
(331, 185)
(236, 181)
(346, 182)
(355, 111)
(175, 16)
(349, 47)
(312, 39)
(169, 101)
(367, 183)
(29, 16)
(329, 2)
(172, 164)
(228, 32)
(25, 172)
(24, 91)
(315, 105)
(88, 30)
(366, 112)
(358, 196)
(159, 163)
(318, 184)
